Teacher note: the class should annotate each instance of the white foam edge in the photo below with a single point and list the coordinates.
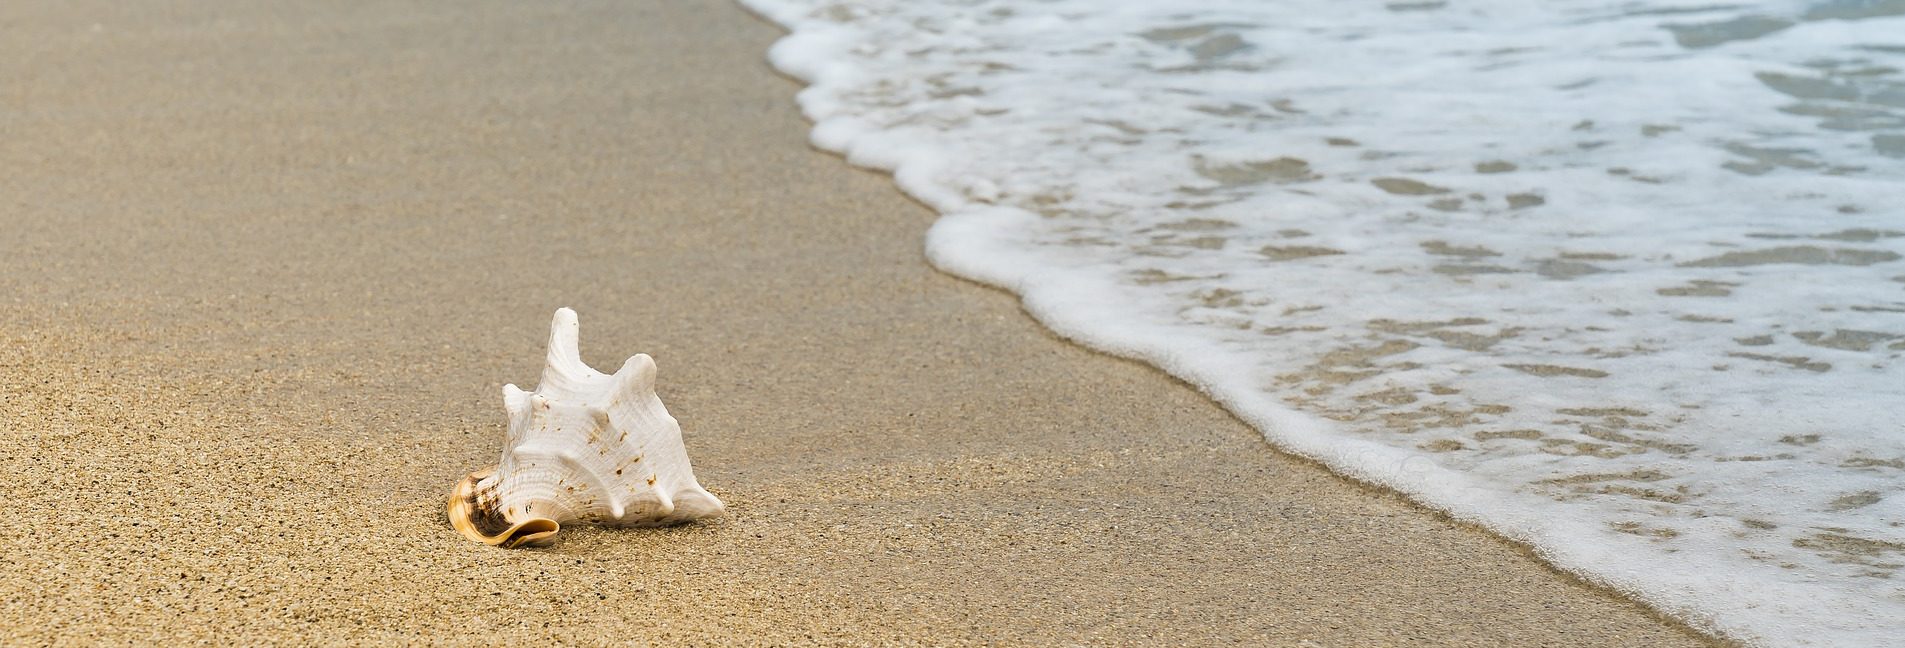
(1081, 308)
(1086, 309)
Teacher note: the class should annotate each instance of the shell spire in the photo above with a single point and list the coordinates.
(585, 446)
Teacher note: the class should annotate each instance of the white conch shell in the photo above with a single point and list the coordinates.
(584, 446)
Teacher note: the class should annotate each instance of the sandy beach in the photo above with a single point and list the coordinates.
(266, 266)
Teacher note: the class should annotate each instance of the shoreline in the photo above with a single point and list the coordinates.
(273, 265)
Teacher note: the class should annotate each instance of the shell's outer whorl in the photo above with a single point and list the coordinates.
(585, 446)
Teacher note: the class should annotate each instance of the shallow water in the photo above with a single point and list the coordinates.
(1623, 281)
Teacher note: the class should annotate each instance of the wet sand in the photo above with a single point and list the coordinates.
(265, 267)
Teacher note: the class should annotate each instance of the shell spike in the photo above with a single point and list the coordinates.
(515, 401)
(637, 376)
(563, 372)
(565, 331)
(664, 505)
(695, 502)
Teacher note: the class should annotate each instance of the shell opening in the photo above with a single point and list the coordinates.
(473, 512)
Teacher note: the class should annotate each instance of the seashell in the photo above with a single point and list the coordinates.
(583, 446)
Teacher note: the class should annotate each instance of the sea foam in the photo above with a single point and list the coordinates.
(1621, 281)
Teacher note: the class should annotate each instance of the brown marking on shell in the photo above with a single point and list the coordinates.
(483, 513)
(626, 464)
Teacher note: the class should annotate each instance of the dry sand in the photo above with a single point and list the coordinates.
(266, 265)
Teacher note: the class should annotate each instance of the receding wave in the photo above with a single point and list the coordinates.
(1622, 281)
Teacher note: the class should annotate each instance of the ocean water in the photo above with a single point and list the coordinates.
(1620, 280)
